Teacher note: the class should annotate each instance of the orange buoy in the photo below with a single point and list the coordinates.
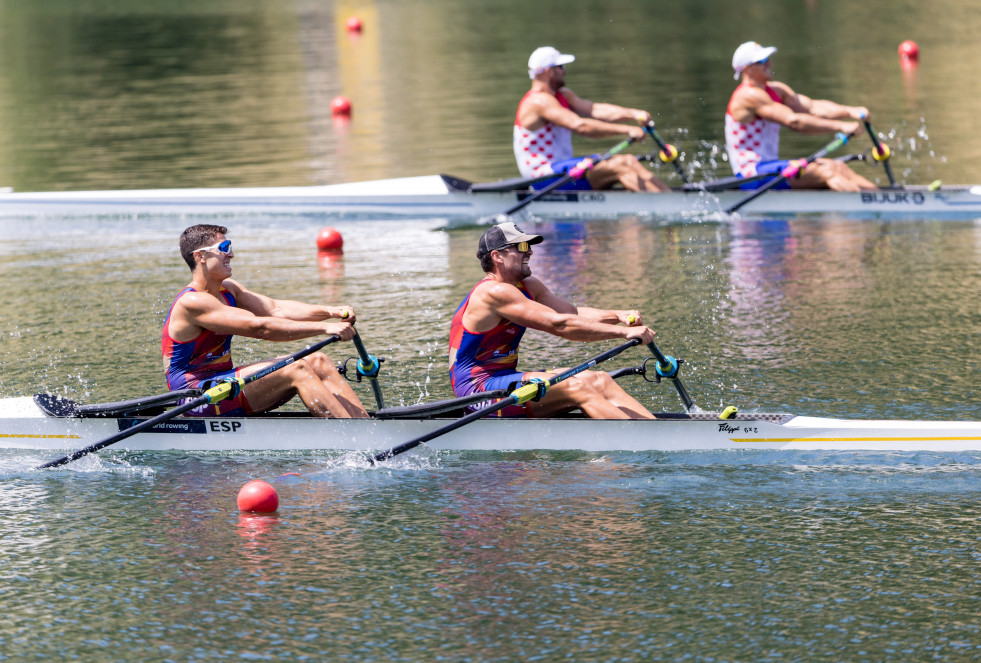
(354, 24)
(328, 239)
(258, 497)
(908, 50)
(340, 106)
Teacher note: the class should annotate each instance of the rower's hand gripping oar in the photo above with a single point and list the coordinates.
(792, 169)
(534, 390)
(575, 173)
(880, 152)
(227, 389)
(668, 153)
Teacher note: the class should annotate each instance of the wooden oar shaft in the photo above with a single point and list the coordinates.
(574, 173)
(790, 171)
(213, 395)
(520, 395)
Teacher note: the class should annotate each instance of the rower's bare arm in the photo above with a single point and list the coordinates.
(612, 316)
(835, 111)
(614, 113)
(583, 125)
(801, 122)
(263, 305)
(508, 302)
(201, 310)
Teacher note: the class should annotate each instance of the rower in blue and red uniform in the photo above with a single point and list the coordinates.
(550, 113)
(487, 327)
(760, 106)
(197, 335)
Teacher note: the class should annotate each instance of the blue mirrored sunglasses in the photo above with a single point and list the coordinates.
(224, 246)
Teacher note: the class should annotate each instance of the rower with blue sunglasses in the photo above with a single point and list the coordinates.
(212, 308)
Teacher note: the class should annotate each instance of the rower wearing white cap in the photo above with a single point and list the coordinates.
(550, 112)
(760, 106)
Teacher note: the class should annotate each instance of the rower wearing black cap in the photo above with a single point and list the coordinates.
(488, 325)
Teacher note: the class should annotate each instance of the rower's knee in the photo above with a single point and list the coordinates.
(593, 383)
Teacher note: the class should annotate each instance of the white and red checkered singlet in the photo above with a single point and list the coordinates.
(752, 143)
(536, 150)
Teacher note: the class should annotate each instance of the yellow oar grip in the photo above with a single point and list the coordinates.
(222, 391)
(526, 392)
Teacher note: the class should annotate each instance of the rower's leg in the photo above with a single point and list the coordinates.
(595, 393)
(301, 378)
(831, 174)
(337, 385)
(626, 170)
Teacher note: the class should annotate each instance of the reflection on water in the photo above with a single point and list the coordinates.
(634, 555)
(150, 94)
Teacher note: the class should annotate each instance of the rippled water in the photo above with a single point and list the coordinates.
(702, 556)
(735, 556)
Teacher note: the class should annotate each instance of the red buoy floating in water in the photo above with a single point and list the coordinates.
(354, 24)
(340, 106)
(329, 240)
(909, 51)
(258, 497)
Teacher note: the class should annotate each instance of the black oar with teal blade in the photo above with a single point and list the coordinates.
(792, 169)
(668, 153)
(881, 153)
(523, 394)
(226, 389)
(575, 173)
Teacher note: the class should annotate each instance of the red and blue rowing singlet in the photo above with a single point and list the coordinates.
(189, 363)
(475, 357)
(753, 143)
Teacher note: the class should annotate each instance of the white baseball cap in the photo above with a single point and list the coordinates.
(750, 53)
(546, 57)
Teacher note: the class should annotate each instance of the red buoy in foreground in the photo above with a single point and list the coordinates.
(340, 106)
(354, 24)
(908, 50)
(258, 497)
(328, 239)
